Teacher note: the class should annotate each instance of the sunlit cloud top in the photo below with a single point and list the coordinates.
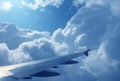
(42, 3)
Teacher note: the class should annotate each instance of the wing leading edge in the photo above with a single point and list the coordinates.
(27, 70)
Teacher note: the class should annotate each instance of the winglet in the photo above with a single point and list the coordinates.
(86, 52)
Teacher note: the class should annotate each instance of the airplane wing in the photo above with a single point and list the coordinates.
(40, 68)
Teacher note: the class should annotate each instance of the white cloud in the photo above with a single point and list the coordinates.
(18, 35)
(78, 39)
(8, 56)
(4, 54)
(42, 3)
(6, 6)
(78, 2)
(100, 65)
(93, 27)
(113, 4)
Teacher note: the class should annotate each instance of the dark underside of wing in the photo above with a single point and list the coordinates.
(50, 73)
(43, 74)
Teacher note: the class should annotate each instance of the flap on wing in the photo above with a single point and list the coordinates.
(55, 67)
(71, 62)
(46, 74)
(27, 78)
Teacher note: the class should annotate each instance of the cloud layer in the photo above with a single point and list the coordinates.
(94, 27)
(42, 3)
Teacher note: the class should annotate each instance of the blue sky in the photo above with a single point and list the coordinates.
(76, 25)
(47, 18)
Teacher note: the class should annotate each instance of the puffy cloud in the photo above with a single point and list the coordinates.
(6, 6)
(112, 40)
(38, 49)
(4, 54)
(42, 3)
(101, 66)
(11, 56)
(21, 45)
(113, 4)
(10, 34)
(96, 28)
(85, 22)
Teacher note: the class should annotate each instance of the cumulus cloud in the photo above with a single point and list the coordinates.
(101, 66)
(113, 4)
(21, 45)
(17, 35)
(96, 28)
(8, 56)
(6, 6)
(42, 3)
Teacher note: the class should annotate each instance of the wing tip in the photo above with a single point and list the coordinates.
(86, 52)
